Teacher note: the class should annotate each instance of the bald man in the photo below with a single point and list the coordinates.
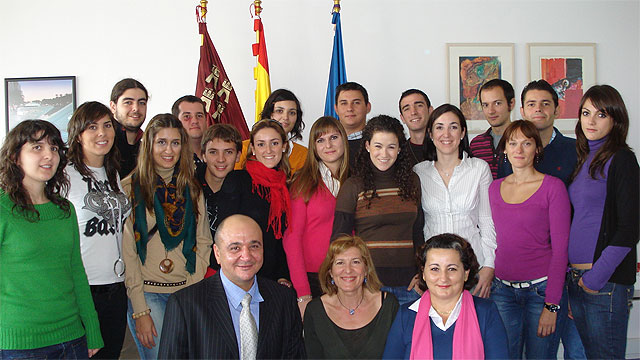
(203, 321)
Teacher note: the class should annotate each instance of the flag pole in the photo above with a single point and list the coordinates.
(261, 70)
(213, 86)
(203, 12)
(337, 69)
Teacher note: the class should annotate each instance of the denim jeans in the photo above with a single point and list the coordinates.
(74, 349)
(157, 302)
(520, 311)
(402, 294)
(602, 319)
(571, 341)
(111, 304)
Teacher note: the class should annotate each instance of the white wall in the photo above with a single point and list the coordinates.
(389, 45)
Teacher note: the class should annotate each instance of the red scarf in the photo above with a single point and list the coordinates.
(271, 185)
(467, 340)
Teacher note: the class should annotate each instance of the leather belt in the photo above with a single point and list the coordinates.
(523, 284)
(153, 283)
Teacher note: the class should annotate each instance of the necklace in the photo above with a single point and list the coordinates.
(412, 153)
(442, 312)
(351, 311)
(166, 265)
(444, 172)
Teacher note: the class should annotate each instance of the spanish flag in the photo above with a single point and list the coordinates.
(261, 71)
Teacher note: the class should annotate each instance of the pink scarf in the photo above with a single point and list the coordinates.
(467, 341)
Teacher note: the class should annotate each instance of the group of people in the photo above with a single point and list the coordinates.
(365, 244)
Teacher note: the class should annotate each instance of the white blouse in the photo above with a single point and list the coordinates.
(437, 319)
(462, 208)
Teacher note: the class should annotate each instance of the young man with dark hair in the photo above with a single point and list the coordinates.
(129, 107)
(497, 98)
(540, 106)
(190, 110)
(415, 108)
(352, 106)
(220, 149)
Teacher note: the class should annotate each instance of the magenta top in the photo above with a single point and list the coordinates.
(533, 236)
(307, 238)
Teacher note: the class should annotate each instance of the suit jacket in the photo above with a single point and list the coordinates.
(198, 325)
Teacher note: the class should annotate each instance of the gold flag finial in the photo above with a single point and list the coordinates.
(203, 9)
(336, 6)
(257, 8)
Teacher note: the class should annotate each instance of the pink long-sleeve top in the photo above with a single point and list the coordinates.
(307, 238)
(533, 236)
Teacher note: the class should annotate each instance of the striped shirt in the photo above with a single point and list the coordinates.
(482, 148)
(462, 208)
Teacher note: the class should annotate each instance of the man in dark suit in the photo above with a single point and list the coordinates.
(203, 321)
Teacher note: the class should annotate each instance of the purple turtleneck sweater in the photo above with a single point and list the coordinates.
(588, 197)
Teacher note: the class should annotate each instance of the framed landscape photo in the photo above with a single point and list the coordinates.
(46, 98)
(469, 67)
(570, 68)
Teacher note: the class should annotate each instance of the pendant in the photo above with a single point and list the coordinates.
(118, 267)
(352, 311)
(166, 266)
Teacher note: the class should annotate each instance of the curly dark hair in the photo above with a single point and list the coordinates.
(455, 242)
(402, 168)
(11, 174)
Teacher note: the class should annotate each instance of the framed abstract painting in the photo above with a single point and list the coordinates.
(469, 67)
(46, 98)
(570, 68)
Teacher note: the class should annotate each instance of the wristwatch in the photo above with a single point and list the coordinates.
(552, 307)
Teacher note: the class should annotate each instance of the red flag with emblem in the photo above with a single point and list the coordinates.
(213, 85)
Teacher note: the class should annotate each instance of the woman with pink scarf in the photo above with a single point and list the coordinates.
(447, 322)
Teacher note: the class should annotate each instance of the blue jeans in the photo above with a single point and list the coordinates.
(157, 302)
(520, 311)
(74, 349)
(602, 319)
(402, 294)
(571, 341)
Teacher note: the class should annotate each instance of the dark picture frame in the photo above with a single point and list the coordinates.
(47, 98)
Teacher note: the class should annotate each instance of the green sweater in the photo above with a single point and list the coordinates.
(44, 293)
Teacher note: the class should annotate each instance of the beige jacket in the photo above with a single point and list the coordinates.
(136, 272)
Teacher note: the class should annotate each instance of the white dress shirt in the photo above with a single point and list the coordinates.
(462, 208)
(437, 319)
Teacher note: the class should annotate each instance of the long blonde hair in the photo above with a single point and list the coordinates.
(145, 172)
(307, 180)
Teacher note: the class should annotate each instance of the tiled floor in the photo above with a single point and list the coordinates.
(129, 350)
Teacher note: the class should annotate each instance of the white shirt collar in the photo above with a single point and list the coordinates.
(331, 183)
(553, 136)
(355, 136)
(290, 148)
(437, 319)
